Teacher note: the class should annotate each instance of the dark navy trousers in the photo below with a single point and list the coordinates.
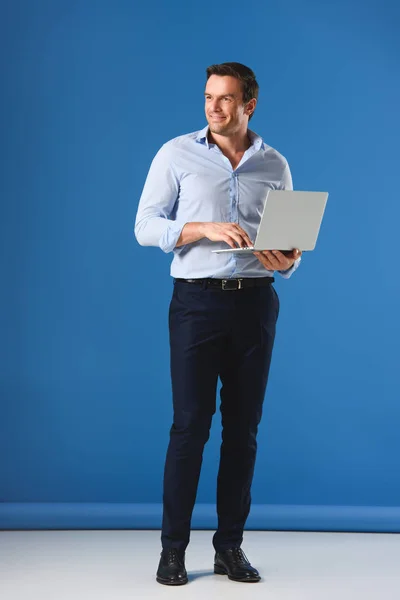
(214, 333)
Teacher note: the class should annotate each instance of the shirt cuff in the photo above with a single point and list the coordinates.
(170, 236)
(286, 274)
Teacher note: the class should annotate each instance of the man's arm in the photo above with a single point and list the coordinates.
(272, 260)
(231, 233)
(191, 232)
(283, 262)
(287, 184)
(160, 193)
(161, 189)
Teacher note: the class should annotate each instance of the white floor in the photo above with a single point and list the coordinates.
(121, 565)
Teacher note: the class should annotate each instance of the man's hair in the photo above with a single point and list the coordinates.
(244, 74)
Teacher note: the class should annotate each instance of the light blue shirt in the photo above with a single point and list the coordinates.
(190, 180)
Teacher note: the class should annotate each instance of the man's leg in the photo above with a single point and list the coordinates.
(196, 322)
(244, 378)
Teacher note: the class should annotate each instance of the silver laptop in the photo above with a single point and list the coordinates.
(290, 219)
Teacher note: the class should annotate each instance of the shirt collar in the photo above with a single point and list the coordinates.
(256, 140)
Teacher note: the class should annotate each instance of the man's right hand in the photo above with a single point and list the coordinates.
(231, 233)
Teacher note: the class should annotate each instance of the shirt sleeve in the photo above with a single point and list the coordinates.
(154, 225)
(287, 184)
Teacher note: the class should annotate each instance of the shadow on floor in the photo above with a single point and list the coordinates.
(192, 575)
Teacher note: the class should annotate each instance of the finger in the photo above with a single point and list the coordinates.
(264, 261)
(284, 263)
(281, 258)
(272, 259)
(292, 254)
(243, 234)
(235, 241)
(246, 238)
(230, 241)
(241, 239)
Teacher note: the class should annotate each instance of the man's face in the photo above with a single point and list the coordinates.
(225, 111)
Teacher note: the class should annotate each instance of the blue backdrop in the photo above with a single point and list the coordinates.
(90, 91)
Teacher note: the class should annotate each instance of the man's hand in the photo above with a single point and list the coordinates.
(273, 260)
(231, 233)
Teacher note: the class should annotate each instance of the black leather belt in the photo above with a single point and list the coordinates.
(231, 284)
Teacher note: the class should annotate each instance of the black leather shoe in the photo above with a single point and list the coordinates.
(171, 569)
(234, 563)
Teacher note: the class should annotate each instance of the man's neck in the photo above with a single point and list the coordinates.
(231, 145)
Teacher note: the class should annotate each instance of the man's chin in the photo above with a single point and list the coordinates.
(219, 128)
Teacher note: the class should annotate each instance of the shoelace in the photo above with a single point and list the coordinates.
(239, 556)
(173, 556)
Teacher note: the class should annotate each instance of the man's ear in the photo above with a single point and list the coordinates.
(250, 107)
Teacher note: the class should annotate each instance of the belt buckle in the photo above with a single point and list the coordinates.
(226, 284)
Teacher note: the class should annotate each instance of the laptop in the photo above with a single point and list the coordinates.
(290, 219)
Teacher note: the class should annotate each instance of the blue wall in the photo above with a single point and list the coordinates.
(90, 91)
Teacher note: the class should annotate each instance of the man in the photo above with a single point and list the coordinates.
(205, 190)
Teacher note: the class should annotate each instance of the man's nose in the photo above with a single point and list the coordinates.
(215, 106)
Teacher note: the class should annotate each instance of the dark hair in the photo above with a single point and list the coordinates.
(244, 74)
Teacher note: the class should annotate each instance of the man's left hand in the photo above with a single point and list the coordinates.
(273, 260)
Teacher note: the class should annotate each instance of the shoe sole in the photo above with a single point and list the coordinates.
(168, 582)
(221, 571)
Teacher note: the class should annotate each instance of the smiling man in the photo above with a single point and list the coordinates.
(205, 190)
